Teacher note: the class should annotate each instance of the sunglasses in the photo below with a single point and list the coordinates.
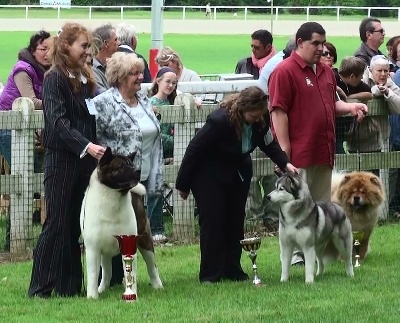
(326, 53)
(382, 31)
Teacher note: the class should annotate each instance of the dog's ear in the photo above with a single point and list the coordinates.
(375, 181)
(345, 179)
(107, 157)
(132, 156)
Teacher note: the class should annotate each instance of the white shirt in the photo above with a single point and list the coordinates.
(149, 134)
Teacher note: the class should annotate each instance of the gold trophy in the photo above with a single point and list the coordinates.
(128, 248)
(357, 237)
(251, 245)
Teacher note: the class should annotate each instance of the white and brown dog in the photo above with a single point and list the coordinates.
(113, 206)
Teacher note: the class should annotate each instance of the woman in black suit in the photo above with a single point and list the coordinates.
(69, 136)
(217, 167)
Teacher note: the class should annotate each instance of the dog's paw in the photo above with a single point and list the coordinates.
(92, 295)
(309, 280)
(284, 279)
(139, 189)
(157, 284)
(101, 288)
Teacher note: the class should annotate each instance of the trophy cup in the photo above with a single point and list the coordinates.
(251, 245)
(128, 248)
(357, 237)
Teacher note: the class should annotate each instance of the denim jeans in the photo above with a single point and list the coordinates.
(5, 145)
(155, 212)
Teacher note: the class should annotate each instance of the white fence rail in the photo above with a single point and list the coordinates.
(217, 10)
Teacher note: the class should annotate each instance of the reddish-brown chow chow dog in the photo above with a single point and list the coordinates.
(361, 194)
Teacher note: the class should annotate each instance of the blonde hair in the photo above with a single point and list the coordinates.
(119, 65)
(166, 55)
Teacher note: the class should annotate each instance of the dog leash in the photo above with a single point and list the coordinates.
(356, 132)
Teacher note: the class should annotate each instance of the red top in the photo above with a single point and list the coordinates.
(309, 101)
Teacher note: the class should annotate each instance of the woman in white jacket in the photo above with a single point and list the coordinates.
(382, 86)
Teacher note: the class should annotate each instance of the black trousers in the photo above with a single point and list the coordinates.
(57, 257)
(221, 210)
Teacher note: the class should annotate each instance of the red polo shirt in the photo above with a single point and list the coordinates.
(309, 101)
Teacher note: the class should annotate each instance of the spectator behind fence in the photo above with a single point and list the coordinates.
(261, 51)
(163, 92)
(273, 62)
(394, 174)
(106, 41)
(127, 37)
(69, 133)
(390, 46)
(168, 57)
(372, 36)
(303, 106)
(350, 85)
(395, 57)
(217, 169)
(127, 124)
(25, 79)
(382, 86)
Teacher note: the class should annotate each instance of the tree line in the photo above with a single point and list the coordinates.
(291, 3)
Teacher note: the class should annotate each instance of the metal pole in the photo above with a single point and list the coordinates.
(272, 16)
(157, 10)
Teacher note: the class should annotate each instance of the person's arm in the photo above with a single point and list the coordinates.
(25, 88)
(281, 127)
(279, 107)
(356, 109)
(362, 96)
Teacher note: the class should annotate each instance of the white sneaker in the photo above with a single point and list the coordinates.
(159, 237)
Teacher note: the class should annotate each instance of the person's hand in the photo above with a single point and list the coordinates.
(359, 110)
(291, 168)
(183, 195)
(383, 89)
(96, 151)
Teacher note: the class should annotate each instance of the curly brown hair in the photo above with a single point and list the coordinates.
(60, 57)
(248, 100)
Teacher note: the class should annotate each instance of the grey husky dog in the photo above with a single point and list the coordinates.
(309, 226)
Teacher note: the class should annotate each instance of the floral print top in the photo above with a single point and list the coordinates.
(117, 128)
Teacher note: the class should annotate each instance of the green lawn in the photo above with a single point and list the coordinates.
(82, 13)
(206, 54)
(371, 296)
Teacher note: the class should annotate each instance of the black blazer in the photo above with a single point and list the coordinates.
(217, 151)
(68, 125)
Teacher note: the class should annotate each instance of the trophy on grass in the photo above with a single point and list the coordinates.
(251, 245)
(357, 237)
(128, 248)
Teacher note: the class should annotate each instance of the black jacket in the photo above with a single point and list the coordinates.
(67, 122)
(216, 151)
(246, 65)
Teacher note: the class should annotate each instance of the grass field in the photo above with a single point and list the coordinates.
(371, 296)
(83, 13)
(206, 54)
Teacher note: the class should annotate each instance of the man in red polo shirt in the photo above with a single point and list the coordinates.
(303, 106)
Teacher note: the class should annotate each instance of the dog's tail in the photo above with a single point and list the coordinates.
(139, 189)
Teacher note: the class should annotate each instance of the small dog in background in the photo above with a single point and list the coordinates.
(309, 226)
(107, 211)
(362, 196)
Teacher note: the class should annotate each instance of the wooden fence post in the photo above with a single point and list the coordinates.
(21, 209)
(183, 223)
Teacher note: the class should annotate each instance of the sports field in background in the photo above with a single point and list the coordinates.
(128, 13)
(206, 54)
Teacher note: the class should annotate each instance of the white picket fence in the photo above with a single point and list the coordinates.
(216, 10)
